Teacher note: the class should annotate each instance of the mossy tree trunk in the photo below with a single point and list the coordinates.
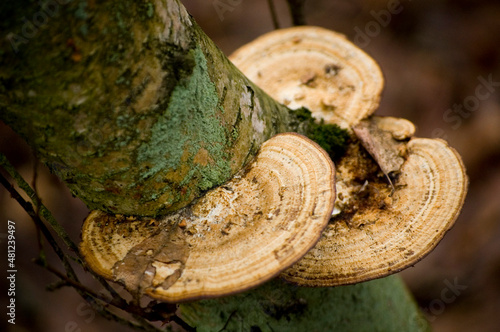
(129, 102)
(136, 109)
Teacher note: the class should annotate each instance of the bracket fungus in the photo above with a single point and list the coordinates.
(379, 227)
(378, 230)
(316, 68)
(234, 237)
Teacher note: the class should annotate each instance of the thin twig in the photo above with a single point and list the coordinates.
(137, 312)
(274, 16)
(85, 292)
(36, 218)
(144, 326)
(31, 212)
(44, 212)
(127, 307)
(73, 283)
(46, 233)
(297, 11)
(71, 277)
(41, 251)
(47, 216)
(114, 294)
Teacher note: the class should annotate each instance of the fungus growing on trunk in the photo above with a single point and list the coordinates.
(235, 237)
(268, 219)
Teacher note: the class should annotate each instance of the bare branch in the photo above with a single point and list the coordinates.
(274, 16)
(297, 11)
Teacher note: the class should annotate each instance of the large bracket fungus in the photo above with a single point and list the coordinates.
(315, 67)
(396, 195)
(380, 230)
(235, 237)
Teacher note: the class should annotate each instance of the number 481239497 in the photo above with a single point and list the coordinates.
(11, 244)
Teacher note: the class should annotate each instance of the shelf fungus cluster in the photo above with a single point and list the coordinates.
(396, 195)
(387, 203)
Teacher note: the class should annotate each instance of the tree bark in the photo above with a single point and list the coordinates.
(378, 305)
(129, 102)
(133, 106)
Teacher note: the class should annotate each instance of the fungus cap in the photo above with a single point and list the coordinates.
(379, 231)
(315, 68)
(233, 238)
(399, 128)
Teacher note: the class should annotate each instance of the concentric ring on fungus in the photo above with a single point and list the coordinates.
(315, 68)
(235, 237)
(384, 234)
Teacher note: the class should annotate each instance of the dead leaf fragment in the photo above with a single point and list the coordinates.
(381, 145)
(147, 264)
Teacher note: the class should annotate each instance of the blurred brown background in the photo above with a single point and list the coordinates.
(434, 55)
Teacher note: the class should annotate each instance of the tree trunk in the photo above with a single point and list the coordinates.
(378, 305)
(133, 106)
(129, 102)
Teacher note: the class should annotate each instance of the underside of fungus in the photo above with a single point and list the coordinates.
(233, 238)
(316, 68)
(396, 195)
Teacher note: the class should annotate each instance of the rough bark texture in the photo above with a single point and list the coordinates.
(138, 112)
(129, 102)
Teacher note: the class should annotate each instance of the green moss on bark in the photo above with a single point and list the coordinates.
(380, 305)
(330, 137)
(132, 105)
(193, 125)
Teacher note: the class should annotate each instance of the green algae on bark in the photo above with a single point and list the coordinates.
(131, 104)
(378, 305)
